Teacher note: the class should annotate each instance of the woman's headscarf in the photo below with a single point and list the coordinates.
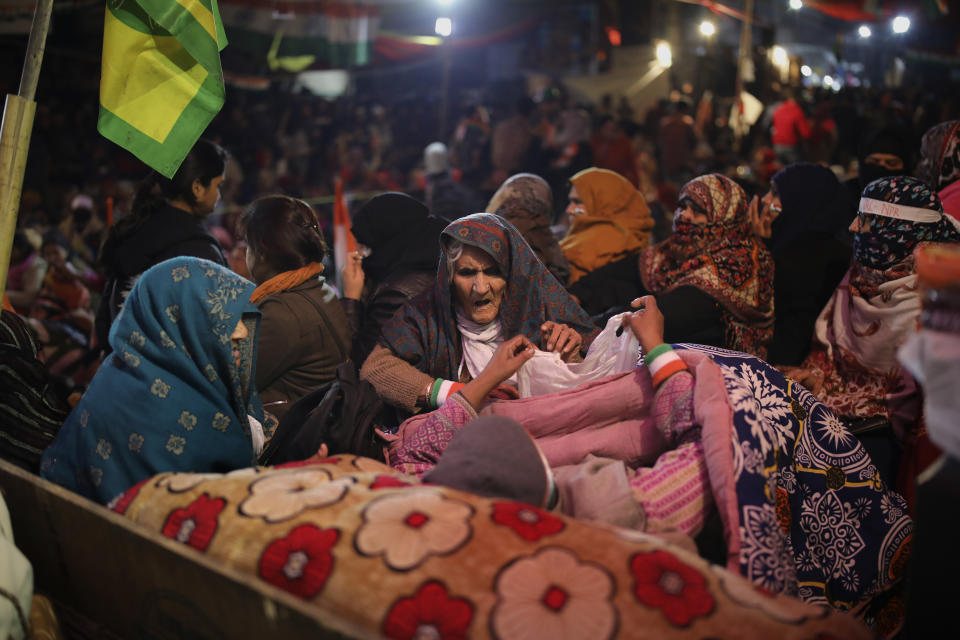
(170, 397)
(915, 215)
(940, 155)
(424, 331)
(813, 200)
(876, 305)
(526, 202)
(721, 258)
(616, 222)
(401, 234)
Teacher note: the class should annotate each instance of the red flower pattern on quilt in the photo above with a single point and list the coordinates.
(666, 583)
(123, 501)
(195, 524)
(430, 613)
(527, 522)
(389, 482)
(301, 562)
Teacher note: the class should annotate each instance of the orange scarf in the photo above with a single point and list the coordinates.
(285, 280)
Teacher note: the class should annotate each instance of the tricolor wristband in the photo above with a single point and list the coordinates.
(663, 362)
(442, 389)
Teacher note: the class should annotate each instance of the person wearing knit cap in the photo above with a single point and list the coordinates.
(495, 457)
(940, 164)
(801, 219)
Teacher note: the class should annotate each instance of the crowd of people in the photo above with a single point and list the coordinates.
(171, 329)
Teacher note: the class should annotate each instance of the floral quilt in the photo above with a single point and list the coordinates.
(380, 555)
(805, 509)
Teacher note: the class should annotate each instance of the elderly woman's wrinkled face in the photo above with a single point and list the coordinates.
(478, 283)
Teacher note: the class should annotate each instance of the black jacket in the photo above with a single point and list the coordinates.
(168, 233)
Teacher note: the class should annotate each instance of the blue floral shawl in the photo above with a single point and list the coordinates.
(424, 331)
(170, 397)
(804, 506)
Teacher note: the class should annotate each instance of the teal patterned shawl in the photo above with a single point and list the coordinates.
(170, 397)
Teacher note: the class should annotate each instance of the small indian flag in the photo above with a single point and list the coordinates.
(343, 241)
(161, 83)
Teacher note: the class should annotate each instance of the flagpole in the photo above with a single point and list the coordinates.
(15, 129)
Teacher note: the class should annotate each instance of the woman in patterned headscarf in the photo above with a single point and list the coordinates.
(177, 392)
(940, 164)
(852, 364)
(526, 202)
(716, 260)
(489, 286)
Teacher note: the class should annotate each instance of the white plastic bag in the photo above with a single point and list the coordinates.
(609, 353)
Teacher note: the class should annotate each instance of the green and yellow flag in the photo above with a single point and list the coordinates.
(161, 83)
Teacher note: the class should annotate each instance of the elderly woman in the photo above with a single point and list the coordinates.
(489, 286)
(525, 201)
(692, 431)
(177, 392)
(304, 333)
(940, 164)
(609, 219)
(802, 218)
(402, 243)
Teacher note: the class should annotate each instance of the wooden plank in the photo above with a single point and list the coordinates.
(140, 584)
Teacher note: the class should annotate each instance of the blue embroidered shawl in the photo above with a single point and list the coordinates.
(170, 397)
(814, 518)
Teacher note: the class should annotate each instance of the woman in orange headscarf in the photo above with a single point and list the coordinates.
(609, 219)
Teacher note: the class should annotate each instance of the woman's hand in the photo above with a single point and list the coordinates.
(509, 356)
(561, 339)
(811, 378)
(353, 276)
(761, 222)
(646, 322)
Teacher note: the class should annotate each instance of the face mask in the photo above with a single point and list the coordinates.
(683, 227)
(869, 250)
(885, 244)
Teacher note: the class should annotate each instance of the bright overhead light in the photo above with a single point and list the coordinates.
(780, 56)
(827, 81)
(443, 27)
(707, 28)
(444, 2)
(796, 4)
(864, 31)
(664, 55)
(901, 24)
(806, 71)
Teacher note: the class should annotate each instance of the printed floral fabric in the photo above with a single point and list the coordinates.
(170, 397)
(815, 520)
(405, 560)
(424, 331)
(722, 258)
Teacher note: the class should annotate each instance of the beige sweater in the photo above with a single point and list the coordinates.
(397, 381)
